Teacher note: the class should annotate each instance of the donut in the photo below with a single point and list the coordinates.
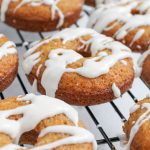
(98, 2)
(8, 62)
(137, 127)
(80, 66)
(43, 122)
(40, 15)
(127, 22)
(144, 63)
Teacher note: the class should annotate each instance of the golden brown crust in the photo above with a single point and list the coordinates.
(141, 140)
(78, 90)
(39, 18)
(31, 137)
(90, 2)
(146, 71)
(8, 67)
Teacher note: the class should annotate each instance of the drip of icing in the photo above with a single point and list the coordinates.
(124, 62)
(140, 121)
(137, 36)
(143, 57)
(31, 61)
(49, 107)
(78, 135)
(55, 67)
(56, 64)
(7, 48)
(34, 3)
(116, 90)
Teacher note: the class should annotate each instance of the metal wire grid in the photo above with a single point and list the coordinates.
(104, 120)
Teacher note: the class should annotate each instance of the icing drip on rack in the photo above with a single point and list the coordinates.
(140, 121)
(7, 48)
(91, 67)
(108, 16)
(49, 107)
(34, 3)
(116, 90)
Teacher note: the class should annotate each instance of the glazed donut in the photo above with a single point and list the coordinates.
(40, 15)
(128, 22)
(44, 122)
(80, 66)
(8, 62)
(144, 63)
(98, 2)
(137, 127)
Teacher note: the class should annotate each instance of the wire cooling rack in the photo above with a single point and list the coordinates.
(105, 121)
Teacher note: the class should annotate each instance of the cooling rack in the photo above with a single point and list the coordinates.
(105, 120)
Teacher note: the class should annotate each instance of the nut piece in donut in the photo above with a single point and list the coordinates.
(144, 64)
(44, 122)
(40, 15)
(80, 66)
(127, 22)
(137, 127)
(8, 62)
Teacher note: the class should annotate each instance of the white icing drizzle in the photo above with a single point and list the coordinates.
(101, 18)
(140, 121)
(56, 64)
(124, 62)
(48, 107)
(7, 48)
(78, 135)
(143, 57)
(34, 3)
(116, 90)
(137, 36)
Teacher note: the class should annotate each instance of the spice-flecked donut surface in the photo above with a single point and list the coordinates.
(8, 62)
(40, 15)
(80, 66)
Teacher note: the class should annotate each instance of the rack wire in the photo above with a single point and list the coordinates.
(104, 120)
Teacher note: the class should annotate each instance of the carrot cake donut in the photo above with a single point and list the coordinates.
(137, 127)
(80, 66)
(8, 62)
(45, 123)
(40, 15)
(144, 65)
(128, 22)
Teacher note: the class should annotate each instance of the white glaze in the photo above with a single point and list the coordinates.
(137, 36)
(101, 18)
(7, 48)
(140, 121)
(34, 3)
(143, 57)
(78, 135)
(56, 64)
(116, 90)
